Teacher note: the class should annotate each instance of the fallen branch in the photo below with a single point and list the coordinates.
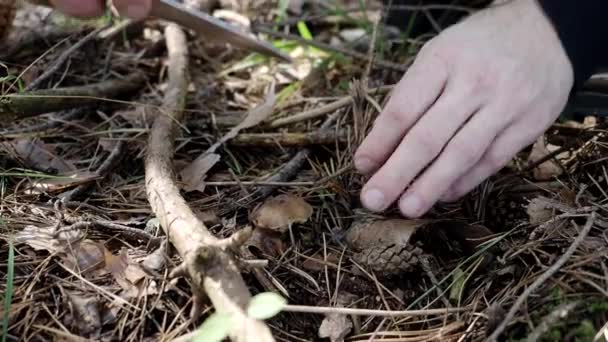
(323, 110)
(19, 106)
(207, 260)
(289, 139)
(543, 278)
(370, 312)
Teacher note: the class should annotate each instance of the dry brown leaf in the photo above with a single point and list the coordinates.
(34, 154)
(85, 257)
(335, 327)
(156, 260)
(538, 211)
(279, 212)
(129, 275)
(550, 168)
(316, 262)
(138, 116)
(266, 242)
(384, 245)
(194, 175)
(49, 238)
(85, 315)
(61, 183)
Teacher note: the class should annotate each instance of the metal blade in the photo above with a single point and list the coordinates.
(212, 28)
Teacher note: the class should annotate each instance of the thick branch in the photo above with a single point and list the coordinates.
(18, 106)
(207, 261)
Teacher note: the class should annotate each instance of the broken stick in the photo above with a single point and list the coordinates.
(207, 261)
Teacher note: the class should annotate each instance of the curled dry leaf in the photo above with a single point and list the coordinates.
(279, 212)
(385, 245)
(58, 184)
(266, 242)
(194, 175)
(49, 238)
(538, 211)
(85, 315)
(34, 154)
(550, 168)
(337, 326)
(86, 257)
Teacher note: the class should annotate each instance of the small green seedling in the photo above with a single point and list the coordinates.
(217, 326)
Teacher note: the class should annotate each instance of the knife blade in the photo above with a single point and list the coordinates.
(206, 26)
(212, 28)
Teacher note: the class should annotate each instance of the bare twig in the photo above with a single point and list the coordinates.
(18, 106)
(550, 320)
(543, 278)
(289, 139)
(206, 260)
(369, 312)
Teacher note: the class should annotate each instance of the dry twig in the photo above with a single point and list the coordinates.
(207, 260)
(543, 278)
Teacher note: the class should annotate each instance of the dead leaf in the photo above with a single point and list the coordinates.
(85, 315)
(266, 242)
(316, 262)
(138, 116)
(194, 175)
(549, 168)
(384, 245)
(335, 327)
(279, 212)
(60, 183)
(538, 211)
(32, 153)
(49, 238)
(85, 257)
(156, 260)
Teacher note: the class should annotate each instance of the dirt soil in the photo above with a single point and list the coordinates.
(93, 225)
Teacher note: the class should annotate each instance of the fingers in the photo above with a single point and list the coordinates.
(464, 150)
(80, 8)
(412, 96)
(513, 139)
(419, 147)
(134, 9)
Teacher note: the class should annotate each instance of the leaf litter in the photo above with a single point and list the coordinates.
(99, 283)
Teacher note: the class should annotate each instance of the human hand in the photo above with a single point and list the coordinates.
(477, 94)
(134, 9)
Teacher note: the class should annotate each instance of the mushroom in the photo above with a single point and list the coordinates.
(280, 212)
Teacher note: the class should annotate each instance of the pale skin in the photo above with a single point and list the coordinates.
(477, 94)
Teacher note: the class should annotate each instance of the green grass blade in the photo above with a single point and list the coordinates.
(8, 295)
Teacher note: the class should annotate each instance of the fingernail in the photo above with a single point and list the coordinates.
(364, 165)
(137, 11)
(373, 199)
(411, 205)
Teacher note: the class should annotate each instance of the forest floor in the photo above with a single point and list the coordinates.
(116, 122)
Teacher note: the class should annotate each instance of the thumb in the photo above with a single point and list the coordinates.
(134, 9)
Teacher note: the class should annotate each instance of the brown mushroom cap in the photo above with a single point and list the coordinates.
(279, 212)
